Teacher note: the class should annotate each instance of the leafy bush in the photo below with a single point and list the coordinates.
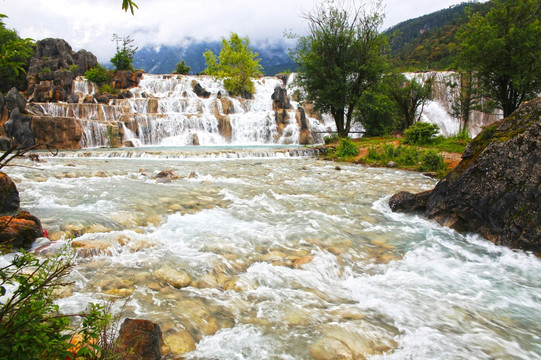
(74, 68)
(31, 326)
(182, 68)
(330, 139)
(346, 149)
(421, 133)
(107, 88)
(432, 161)
(99, 74)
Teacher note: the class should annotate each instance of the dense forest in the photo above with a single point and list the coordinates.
(429, 42)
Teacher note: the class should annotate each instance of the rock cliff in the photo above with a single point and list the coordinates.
(496, 189)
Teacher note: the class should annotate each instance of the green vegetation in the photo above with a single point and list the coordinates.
(107, 88)
(129, 4)
(14, 56)
(408, 157)
(503, 49)
(182, 68)
(421, 133)
(237, 64)
(123, 58)
(99, 74)
(409, 96)
(73, 68)
(377, 112)
(346, 149)
(340, 59)
(31, 326)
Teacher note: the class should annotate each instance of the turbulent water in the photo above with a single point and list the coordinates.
(284, 253)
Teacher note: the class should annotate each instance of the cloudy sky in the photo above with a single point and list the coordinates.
(90, 24)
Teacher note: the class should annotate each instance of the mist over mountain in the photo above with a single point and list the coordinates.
(162, 60)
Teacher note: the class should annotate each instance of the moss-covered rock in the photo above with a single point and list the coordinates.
(496, 189)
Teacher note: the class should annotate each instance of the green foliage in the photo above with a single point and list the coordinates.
(107, 88)
(125, 51)
(31, 326)
(129, 4)
(421, 133)
(99, 74)
(331, 139)
(182, 68)
(503, 49)
(236, 64)
(340, 58)
(377, 112)
(73, 68)
(409, 95)
(346, 149)
(15, 53)
(408, 157)
(45, 70)
(432, 161)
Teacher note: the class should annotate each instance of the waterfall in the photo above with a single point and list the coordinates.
(439, 110)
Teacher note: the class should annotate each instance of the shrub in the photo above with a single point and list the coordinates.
(182, 68)
(31, 326)
(346, 149)
(421, 133)
(330, 139)
(99, 74)
(107, 88)
(74, 68)
(432, 161)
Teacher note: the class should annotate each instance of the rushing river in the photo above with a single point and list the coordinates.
(287, 257)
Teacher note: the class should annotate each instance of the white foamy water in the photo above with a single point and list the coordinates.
(282, 253)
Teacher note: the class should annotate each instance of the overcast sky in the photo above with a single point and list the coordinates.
(90, 24)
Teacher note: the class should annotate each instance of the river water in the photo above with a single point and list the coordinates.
(286, 256)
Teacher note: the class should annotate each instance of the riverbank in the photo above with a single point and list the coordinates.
(435, 159)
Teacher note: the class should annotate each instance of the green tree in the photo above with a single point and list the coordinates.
(377, 112)
(340, 58)
(237, 64)
(125, 50)
(14, 56)
(503, 49)
(99, 74)
(410, 96)
(182, 68)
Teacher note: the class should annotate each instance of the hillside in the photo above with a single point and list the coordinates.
(429, 42)
(274, 57)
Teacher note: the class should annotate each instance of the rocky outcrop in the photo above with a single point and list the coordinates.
(61, 132)
(53, 67)
(305, 136)
(142, 339)
(496, 189)
(20, 231)
(125, 79)
(199, 90)
(9, 196)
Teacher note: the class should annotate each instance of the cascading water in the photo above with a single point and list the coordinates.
(286, 258)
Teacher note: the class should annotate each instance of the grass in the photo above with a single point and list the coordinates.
(382, 150)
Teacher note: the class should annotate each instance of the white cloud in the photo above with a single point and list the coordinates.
(90, 24)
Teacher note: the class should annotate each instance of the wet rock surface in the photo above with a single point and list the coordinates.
(495, 190)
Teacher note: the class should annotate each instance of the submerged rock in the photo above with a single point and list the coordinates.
(141, 339)
(496, 189)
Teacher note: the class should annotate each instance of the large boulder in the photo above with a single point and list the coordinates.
(496, 189)
(280, 100)
(15, 100)
(18, 128)
(61, 132)
(142, 339)
(20, 231)
(9, 196)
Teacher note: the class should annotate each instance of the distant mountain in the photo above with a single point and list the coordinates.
(162, 60)
(429, 42)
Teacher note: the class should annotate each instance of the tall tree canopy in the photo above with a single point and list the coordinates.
(341, 57)
(237, 64)
(14, 56)
(503, 49)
